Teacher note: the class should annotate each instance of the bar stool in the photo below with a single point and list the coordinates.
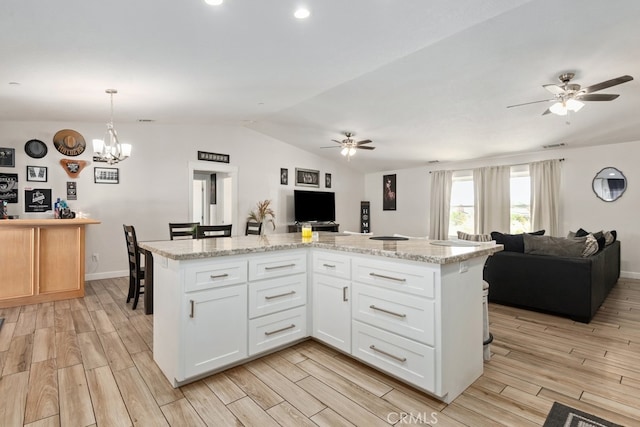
(487, 336)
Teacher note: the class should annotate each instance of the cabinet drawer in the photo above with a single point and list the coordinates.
(396, 355)
(277, 329)
(267, 266)
(215, 275)
(410, 316)
(270, 296)
(332, 264)
(415, 279)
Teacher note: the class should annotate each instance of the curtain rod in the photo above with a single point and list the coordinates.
(515, 164)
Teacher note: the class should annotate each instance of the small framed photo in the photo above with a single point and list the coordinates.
(327, 180)
(7, 157)
(284, 176)
(307, 177)
(106, 175)
(37, 173)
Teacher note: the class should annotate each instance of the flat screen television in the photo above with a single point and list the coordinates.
(317, 206)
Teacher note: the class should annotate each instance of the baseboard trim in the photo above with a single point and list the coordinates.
(106, 275)
(629, 275)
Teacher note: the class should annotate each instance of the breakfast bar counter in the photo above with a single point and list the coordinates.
(42, 260)
(410, 308)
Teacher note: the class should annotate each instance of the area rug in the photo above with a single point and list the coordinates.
(564, 416)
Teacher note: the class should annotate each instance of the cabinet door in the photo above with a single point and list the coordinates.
(332, 311)
(215, 329)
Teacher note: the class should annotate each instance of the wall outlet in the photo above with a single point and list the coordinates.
(464, 267)
(95, 257)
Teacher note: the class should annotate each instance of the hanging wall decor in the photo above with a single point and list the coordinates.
(73, 167)
(9, 187)
(69, 142)
(7, 157)
(72, 190)
(389, 192)
(37, 200)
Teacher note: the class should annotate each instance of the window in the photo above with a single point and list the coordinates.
(461, 208)
(520, 199)
(461, 215)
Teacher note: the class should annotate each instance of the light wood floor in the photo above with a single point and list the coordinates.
(88, 361)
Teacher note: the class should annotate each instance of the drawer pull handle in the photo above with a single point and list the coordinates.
(191, 313)
(344, 293)
(329, 265)
(382, 276)
(280, 330)
(373, 307)
(399, 359)
(277, 267)
(219, 276)
(280, 295)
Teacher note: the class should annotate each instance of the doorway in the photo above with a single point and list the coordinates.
(213, 193)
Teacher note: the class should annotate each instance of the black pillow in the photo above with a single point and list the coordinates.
(512, 242)
(581, 232)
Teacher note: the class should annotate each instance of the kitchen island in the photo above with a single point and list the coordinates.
(410, 308)
(41, 260)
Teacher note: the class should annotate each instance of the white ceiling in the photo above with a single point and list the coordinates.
(425, 80)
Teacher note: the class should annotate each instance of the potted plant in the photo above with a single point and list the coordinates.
(263, 213)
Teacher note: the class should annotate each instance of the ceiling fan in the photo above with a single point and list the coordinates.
(569, 96)
(349, 145)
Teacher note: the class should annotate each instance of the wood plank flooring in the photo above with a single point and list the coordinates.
(89, 362)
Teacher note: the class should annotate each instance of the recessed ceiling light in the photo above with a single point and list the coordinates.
(146, 120)
(302, 13)
(214, 2)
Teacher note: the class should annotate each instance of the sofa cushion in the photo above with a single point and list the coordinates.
(474, 237)
(560, 246)
(512, 242)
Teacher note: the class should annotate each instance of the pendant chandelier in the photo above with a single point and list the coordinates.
(110, 149)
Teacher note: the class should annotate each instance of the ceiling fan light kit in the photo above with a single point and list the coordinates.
(569, 97)
(350, 146)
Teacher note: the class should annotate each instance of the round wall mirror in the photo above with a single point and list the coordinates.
(609, 184)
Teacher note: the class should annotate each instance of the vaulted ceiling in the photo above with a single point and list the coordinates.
(425, 80)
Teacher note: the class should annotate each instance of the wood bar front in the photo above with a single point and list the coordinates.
(41, 260)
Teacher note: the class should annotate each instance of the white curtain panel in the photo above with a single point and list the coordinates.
(440, 204)
(545, 194)
(492, 204)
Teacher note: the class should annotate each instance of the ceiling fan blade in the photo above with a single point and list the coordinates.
(336, 141)
(332, 146)
(597, 97)
(603, 85)
(547, 111)
(366, 148)
(527, 103)
(364, 141)
(554, 89)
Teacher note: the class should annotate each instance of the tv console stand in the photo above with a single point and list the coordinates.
(296, 228)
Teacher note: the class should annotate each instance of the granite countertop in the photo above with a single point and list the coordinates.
(437, 252)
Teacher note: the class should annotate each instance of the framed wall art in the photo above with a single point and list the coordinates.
(7, 157)
(37, 173)
(106, 175)
(327, 180)
(389, 192)
(284, 176)
(307, 177)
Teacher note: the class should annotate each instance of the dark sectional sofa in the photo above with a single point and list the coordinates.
(573, 287)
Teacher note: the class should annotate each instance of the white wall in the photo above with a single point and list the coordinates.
(579, 205)
(154, 182)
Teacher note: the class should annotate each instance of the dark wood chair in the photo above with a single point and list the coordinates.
(182, 230)
(136, 269)
(253, 228)
(212, 231)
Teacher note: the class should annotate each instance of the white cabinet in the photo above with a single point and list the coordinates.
(215, 328)
(277, 300)
(332, 311)
(332, 299)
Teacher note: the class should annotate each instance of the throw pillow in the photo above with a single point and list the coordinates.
(581, 232)
(554, 246)
(610, 237)
(590, 246)
(474, 237)
(512, 242)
